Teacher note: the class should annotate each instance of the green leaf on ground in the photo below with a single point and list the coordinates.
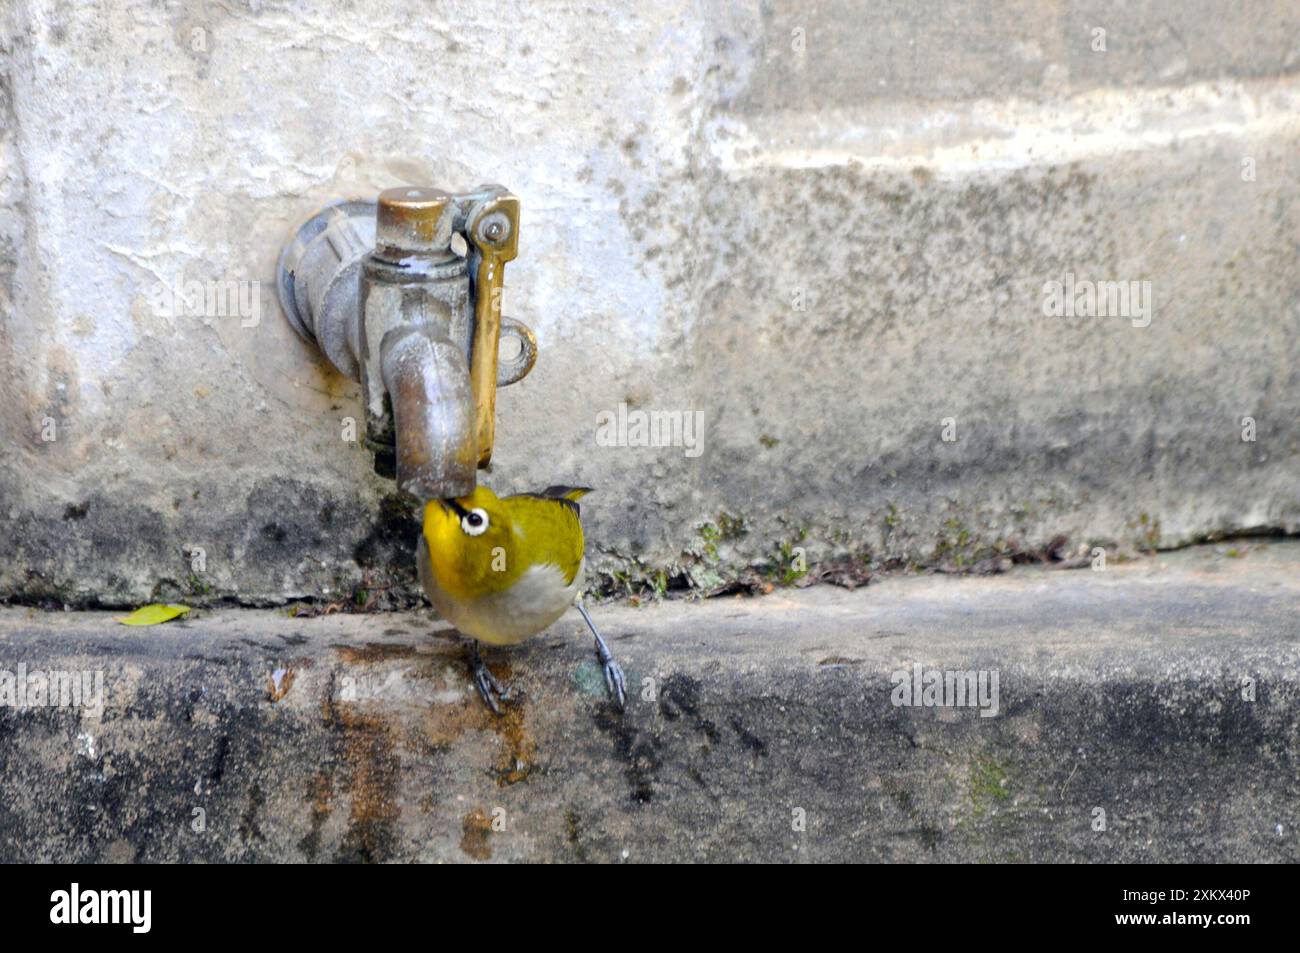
(152, 615)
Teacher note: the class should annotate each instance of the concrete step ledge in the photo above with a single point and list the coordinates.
(1159, 697)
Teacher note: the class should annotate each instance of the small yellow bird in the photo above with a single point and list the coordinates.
(503, 568)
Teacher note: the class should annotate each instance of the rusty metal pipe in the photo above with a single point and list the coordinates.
(428, 386)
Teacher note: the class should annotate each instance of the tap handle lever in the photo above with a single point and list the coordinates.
(492, 234)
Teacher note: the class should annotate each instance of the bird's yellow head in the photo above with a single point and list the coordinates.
(471, 543)
(482, 543)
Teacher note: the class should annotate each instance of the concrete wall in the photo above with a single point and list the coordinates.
(826, 230)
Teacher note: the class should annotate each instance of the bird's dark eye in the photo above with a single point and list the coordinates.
(475, 522)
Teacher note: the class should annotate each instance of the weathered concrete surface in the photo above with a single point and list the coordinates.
(692, 174)
(1120, 691)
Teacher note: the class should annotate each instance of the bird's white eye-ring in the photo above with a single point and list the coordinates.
(475, 522)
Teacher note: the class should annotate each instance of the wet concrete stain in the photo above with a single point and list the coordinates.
(640, 754)
(518, 758)
(680, 698)
(747, 738)
(573, 834)
(371, 773)
(218, 760)
(368, 766)
(644, 752)
(476, 831)
(250, 832)
(373, 652)
(320, 794)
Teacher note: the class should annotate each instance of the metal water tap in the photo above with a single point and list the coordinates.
(384, 291)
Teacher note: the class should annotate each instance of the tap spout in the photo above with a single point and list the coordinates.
(428, 384)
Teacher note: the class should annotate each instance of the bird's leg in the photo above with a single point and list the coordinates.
(489, 689)
(613, 674)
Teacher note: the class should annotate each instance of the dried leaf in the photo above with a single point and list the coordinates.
(748, 583)
(845, 573)
(153, 615)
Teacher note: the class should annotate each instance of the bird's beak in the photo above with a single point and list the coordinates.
(453, 506)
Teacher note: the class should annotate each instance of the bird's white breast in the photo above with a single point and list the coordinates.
(538, 598)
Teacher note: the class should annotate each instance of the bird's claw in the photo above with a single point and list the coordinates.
(489, 687)
(615, 683)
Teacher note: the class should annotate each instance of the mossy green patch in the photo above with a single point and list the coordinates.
(590, 679)
(990, 785)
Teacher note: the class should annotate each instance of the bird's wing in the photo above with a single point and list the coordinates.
(568, 495)
(553, 526)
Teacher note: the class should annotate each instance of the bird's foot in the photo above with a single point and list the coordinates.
(615, 684)
(489, 687)
(614, 681)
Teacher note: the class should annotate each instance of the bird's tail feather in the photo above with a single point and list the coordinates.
(570, 493)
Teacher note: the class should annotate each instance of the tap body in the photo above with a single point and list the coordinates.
(394, 304)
